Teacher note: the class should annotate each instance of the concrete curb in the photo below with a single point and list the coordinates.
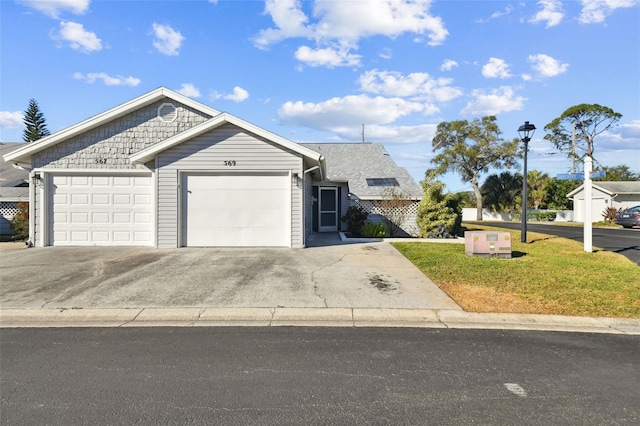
(317, 317)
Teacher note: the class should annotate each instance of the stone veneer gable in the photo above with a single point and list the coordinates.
(110, 145)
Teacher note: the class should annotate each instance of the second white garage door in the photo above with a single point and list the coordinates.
(237, 210)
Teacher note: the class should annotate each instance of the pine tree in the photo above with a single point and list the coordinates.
(35, 124)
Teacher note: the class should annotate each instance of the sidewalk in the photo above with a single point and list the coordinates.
(317, 317)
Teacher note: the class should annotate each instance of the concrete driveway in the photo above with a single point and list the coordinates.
(365, 275)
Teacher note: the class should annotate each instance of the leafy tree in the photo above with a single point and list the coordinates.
(557, 191)
(502, 193)
(619, 173)
(35, 123)
(536, 181)
(437, 208)
(465, 199)
(585, 121)
(470, 149)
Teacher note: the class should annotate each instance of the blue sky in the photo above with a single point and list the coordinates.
(316, 71)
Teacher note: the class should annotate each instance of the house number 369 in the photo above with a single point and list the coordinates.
(230, 162)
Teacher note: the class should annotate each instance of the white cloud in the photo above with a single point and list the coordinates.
(54, 8)
(496, 68)
(545, 66)
(92, 77)
(422, 133)
(167, 40)
(494, 102)
(551, 13)
(189, 90)
(328, 57)
(332, 23)
(414, 85)
(11, 120)
(623, 137)
(507, 10)
(78, 38)
(596, 11)
(347, 112)
(389, 18)
(238, 95)
(386, 53)
(448, 65)
(289, 19)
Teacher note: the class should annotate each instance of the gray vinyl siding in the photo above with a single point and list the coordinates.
(208, 152)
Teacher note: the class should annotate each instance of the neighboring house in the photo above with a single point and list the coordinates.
(14, 187)
(618, 195)
(365, 175)
(166, 171)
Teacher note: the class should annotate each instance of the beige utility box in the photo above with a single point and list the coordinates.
(487, 244)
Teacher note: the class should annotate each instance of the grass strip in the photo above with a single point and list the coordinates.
(548, 275)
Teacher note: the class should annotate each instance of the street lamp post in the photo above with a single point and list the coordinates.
(526, 132)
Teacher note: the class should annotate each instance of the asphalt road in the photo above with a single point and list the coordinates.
(623, 241)
(231, 376)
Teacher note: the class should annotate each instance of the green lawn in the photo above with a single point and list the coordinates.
(549, 275)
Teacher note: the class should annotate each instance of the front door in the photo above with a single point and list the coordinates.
(328, 209)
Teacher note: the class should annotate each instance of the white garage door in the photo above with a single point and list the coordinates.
(101, 210)
(230, 210)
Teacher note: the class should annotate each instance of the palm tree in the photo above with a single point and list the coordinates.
(502, 192)
(536, 181)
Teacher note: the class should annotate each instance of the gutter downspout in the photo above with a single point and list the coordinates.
(32, 208)
(304, 183)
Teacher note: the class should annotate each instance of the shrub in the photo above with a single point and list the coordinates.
(609, 214)
(537, 216)
(543, 216)
(355, 217)
(20, 222)
(437, 208)
(373, 230)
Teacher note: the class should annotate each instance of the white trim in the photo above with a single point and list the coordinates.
(337, 211)
(105, 117)
(175, 112)
(32, 210)
(44, 210)
(290, 209)
(147, 154)
(95, 171)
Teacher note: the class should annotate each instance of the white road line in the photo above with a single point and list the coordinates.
(516, 389)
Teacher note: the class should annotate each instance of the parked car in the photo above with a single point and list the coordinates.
(629, 218)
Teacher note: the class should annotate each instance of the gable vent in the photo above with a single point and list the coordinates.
(167, 112)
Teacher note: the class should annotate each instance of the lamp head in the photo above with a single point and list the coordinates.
(526, 131)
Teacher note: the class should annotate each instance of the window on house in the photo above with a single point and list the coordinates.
(382, 182)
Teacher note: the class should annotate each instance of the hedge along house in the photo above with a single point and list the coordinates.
(165, 171)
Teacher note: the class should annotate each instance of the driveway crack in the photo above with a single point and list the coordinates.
(316, 290)
(97, 273)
